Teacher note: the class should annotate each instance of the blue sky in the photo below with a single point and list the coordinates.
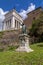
(22, 6)
(7, 5)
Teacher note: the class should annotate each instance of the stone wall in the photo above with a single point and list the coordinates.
(9, 37)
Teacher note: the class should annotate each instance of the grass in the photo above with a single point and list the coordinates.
(12, 57)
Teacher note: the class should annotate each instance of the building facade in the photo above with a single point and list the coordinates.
(12, 21)
(33, 15)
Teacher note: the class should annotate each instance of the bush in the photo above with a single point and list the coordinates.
(1, 49)
(12, 47)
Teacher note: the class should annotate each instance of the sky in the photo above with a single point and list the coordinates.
(22, 7)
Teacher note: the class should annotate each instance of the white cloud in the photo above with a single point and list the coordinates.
(2, 17)
(23, 13)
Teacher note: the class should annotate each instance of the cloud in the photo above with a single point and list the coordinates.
(2, 17)
(23, 13)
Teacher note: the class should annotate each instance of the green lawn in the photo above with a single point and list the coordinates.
(23, 58)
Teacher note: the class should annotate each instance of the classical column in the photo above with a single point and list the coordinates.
(19, 24)
(4, 25)
(16, 24)
(7, 26)
(12, 23)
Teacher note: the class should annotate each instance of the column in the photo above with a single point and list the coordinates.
(4, 25)
(7, 25)
(19, 25)
(15, 23)
(12, 23)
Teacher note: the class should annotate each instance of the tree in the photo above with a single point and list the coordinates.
(37, 28)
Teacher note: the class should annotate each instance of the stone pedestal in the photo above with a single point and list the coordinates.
(24, 43)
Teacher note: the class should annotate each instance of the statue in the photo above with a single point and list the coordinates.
(24, 41)
(23, 28)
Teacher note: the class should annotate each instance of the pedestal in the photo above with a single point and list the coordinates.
(24, 43)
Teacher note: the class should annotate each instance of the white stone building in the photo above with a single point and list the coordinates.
(12, 20)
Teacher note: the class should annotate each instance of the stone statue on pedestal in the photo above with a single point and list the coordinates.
(24, 41)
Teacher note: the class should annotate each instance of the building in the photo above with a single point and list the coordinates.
(33, 15)
(12, 20)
